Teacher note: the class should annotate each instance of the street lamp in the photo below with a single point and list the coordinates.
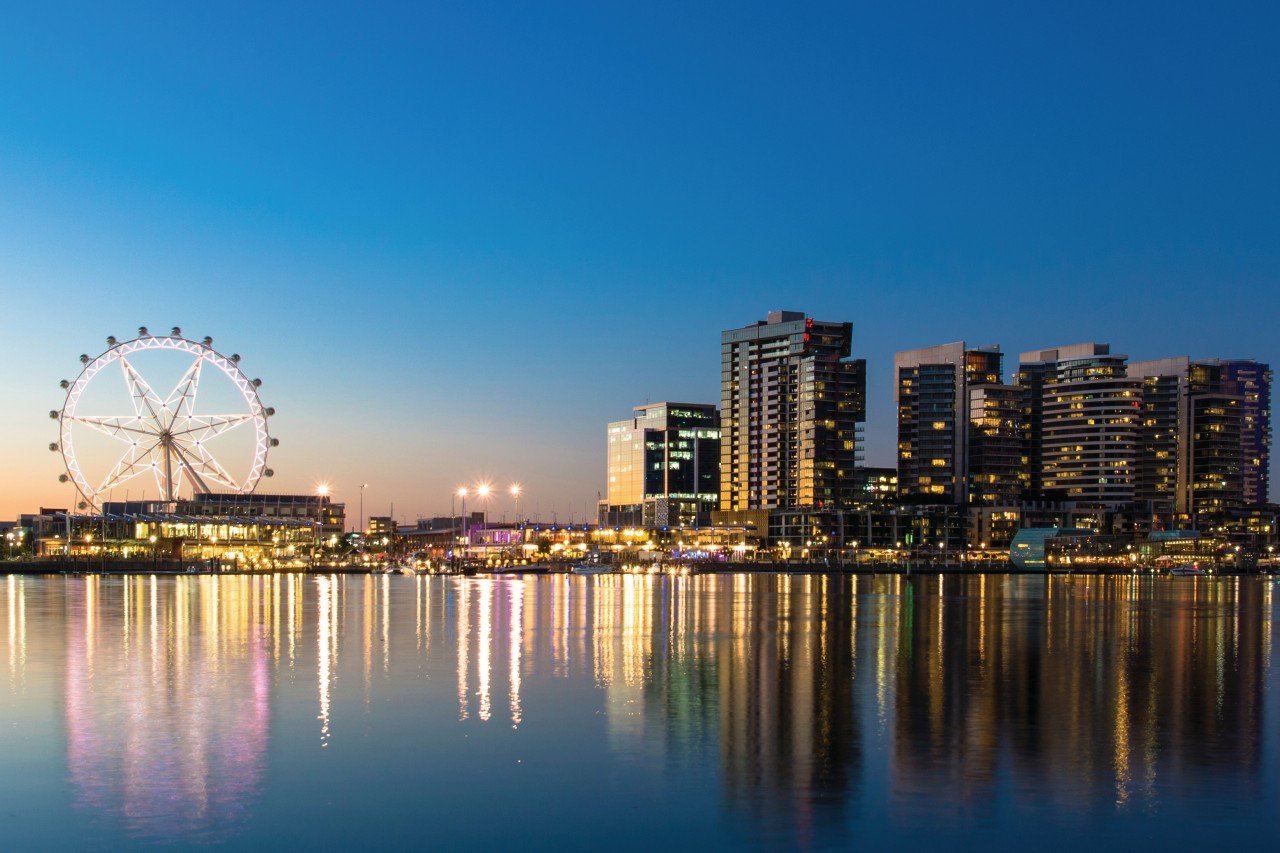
(484, 491)
(462, 493)
(515, 491)
(317, 542)
(361, 522)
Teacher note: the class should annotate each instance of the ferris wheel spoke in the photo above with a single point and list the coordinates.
(145, 402)
(211, 425)
(126, 429)
(130, 465)
(181, 402)
(195, 456)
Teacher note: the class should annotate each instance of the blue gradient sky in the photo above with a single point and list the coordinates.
(456, 239)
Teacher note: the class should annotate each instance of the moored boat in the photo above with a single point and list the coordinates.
(530, 569)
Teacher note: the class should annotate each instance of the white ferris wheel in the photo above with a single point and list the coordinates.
(173, 439)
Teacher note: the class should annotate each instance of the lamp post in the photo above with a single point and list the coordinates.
(317, 546)
(155, 558)
(484, 491)
(462, 493)
(515, 491)
(361, 520)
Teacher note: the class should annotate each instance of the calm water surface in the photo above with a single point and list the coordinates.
(629, 712)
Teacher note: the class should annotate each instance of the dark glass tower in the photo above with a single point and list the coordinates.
(1251, 382)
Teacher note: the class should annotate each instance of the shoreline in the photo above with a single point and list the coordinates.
(38, 568)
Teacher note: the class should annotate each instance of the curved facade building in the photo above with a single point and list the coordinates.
(1088, 416)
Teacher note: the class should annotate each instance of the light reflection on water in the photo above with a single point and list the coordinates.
(716, 709)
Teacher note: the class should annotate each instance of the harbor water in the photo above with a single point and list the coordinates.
(632, 712)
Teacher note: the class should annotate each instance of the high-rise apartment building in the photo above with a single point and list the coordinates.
(997, 459)
(663, 466)
(959, 427)
(1081, 412)
(1193, 451)
(1251, 382)
(792, 407)
(1156, 467)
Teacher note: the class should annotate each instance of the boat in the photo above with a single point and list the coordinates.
(530, 569)
(1192, 569)
(590, 569)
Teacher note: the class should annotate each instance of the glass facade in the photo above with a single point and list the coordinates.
(664, 464)
(1251, 382)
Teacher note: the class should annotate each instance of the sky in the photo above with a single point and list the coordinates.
(455, 239)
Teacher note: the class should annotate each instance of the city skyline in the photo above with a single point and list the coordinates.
(498, 487)
(454, 259)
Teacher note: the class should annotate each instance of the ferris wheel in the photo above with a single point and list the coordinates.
(172, 438)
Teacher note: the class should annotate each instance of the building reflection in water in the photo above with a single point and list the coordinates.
(1080, 689)
(1119, 690)
(811, 701)
(167, 697)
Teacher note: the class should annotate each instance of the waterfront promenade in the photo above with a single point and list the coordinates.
(970, 567)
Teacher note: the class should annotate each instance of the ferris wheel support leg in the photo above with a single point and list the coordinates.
(168, 473)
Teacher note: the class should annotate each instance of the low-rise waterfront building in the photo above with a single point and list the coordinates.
(207, 530)
(663, 466)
